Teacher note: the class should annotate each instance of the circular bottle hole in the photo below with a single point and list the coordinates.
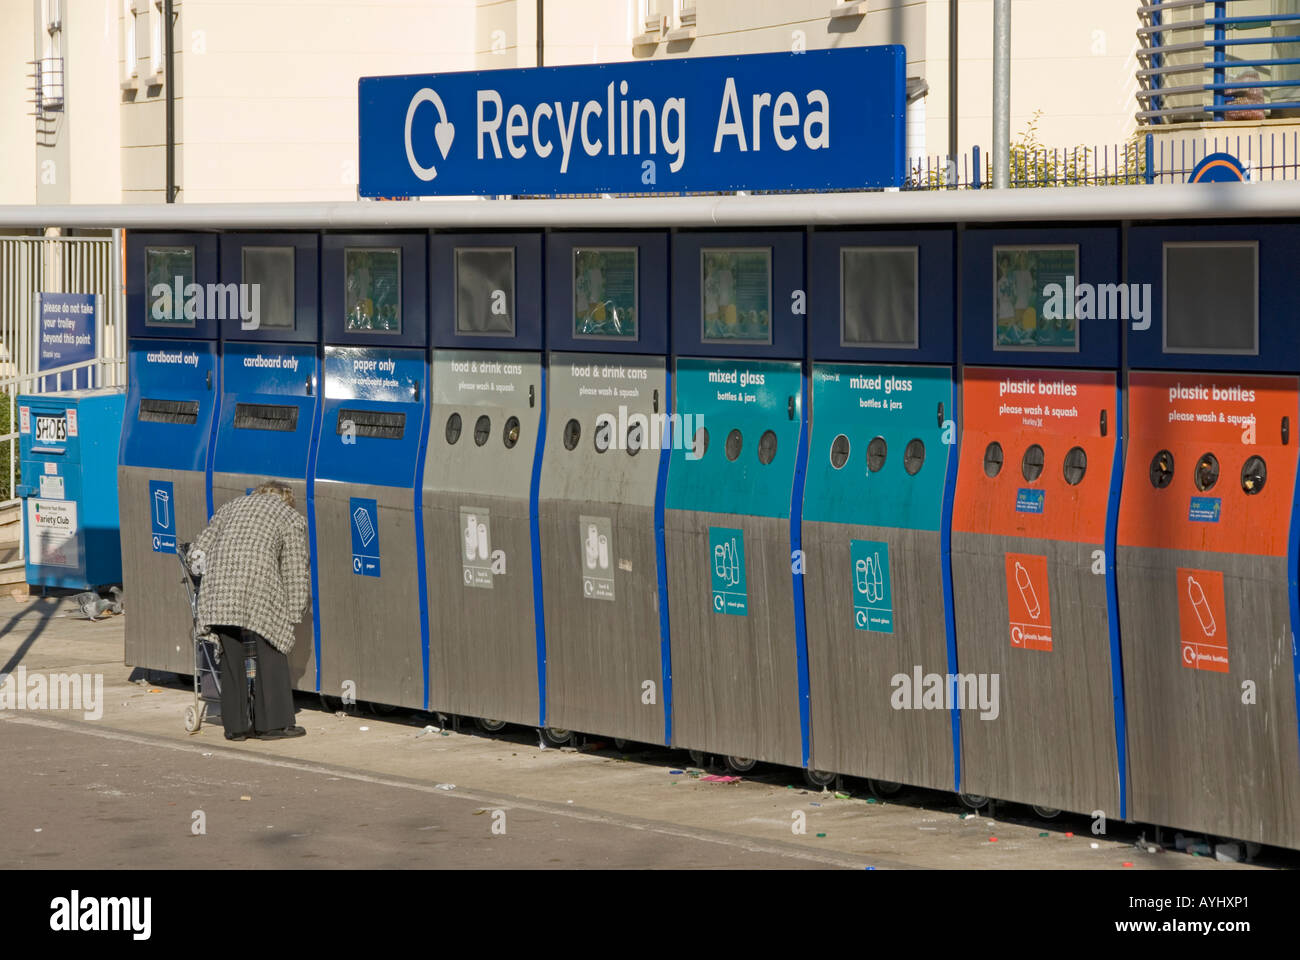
(877, 451)
(700, 445)
(510, 436)
(603, 436)
(634, 439)
(572, 432)
(482, 430)
(839, 451)
(734, 443)
(767, 447)
(993, 459)
(453, 428)
(1031, 464)
(1207, 472)
(1161, 471)
(914, 456)
(1254, 474)
(1075, 466)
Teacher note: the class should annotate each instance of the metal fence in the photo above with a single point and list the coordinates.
(30, 266)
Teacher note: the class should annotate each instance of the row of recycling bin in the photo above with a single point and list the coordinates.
(759, 495)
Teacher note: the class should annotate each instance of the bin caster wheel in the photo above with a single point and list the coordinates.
(192, 721)
(1046, 813)
(741, 764)
(885, 788)
(556, 737)
(698, 758)
(490, 726)
(819, 779)
(626, 746)
(974, 800)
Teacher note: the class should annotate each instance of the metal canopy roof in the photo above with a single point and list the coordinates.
(1162, 202)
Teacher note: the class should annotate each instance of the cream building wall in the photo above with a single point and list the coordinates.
(266, 91)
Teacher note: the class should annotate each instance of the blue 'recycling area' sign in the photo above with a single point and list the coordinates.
(821, 119)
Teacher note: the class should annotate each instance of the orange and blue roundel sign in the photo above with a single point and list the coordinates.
(1218, 168)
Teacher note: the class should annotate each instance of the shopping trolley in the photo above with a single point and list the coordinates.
(207, 654)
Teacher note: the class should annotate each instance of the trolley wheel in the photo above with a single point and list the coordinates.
(741, 764)
(819, 778)
(885, 788)
(697, 757)
(1046, 813)
(974, 800)
(192, 719)
(490, 726)
(556, 736)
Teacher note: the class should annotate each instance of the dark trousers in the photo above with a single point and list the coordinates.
(272, 690)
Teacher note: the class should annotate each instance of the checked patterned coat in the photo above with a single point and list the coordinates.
(255, 572)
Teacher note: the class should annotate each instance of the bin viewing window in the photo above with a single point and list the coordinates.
(452, 430)
(266, 416)
(372, 423)
(482, 429)
(271, 268)
(1211, 301)
(169, 411)
(734, 444)
(914, 456)
(1075, 466)
(877, 451)
(1207, 472)
(1022, 300)
(736, 288)
(510, 435)
(701, 444)
(1254, 474)
(993, 458)
(1031, 464)
(878, 297)
(572, 433)
(839, 451)
(767, 447)
(485, 291)
(605, 293)
(372, 284)
(167, 269)
(1162, 469)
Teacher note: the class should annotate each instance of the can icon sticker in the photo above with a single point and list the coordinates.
(873, 603)
(727, 570)
(1029, 608)
(1202, 620)
(476, 547)
(162, 516)
(597, 546)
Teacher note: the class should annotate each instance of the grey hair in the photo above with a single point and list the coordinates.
(276, 489)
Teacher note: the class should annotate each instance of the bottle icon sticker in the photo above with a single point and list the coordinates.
(1027, 592)
(873, 605)
(476, 536)
(597, 538)
(1202, 620)
(727, 571)
(1029, 608)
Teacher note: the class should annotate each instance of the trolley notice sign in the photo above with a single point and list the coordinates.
(816, 119)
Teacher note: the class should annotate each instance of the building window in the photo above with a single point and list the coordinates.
(129, 52)
(156, 37)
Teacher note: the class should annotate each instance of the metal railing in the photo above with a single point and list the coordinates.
(30, 266)
(1218, 60)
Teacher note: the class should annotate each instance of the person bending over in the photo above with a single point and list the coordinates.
(256, 584)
